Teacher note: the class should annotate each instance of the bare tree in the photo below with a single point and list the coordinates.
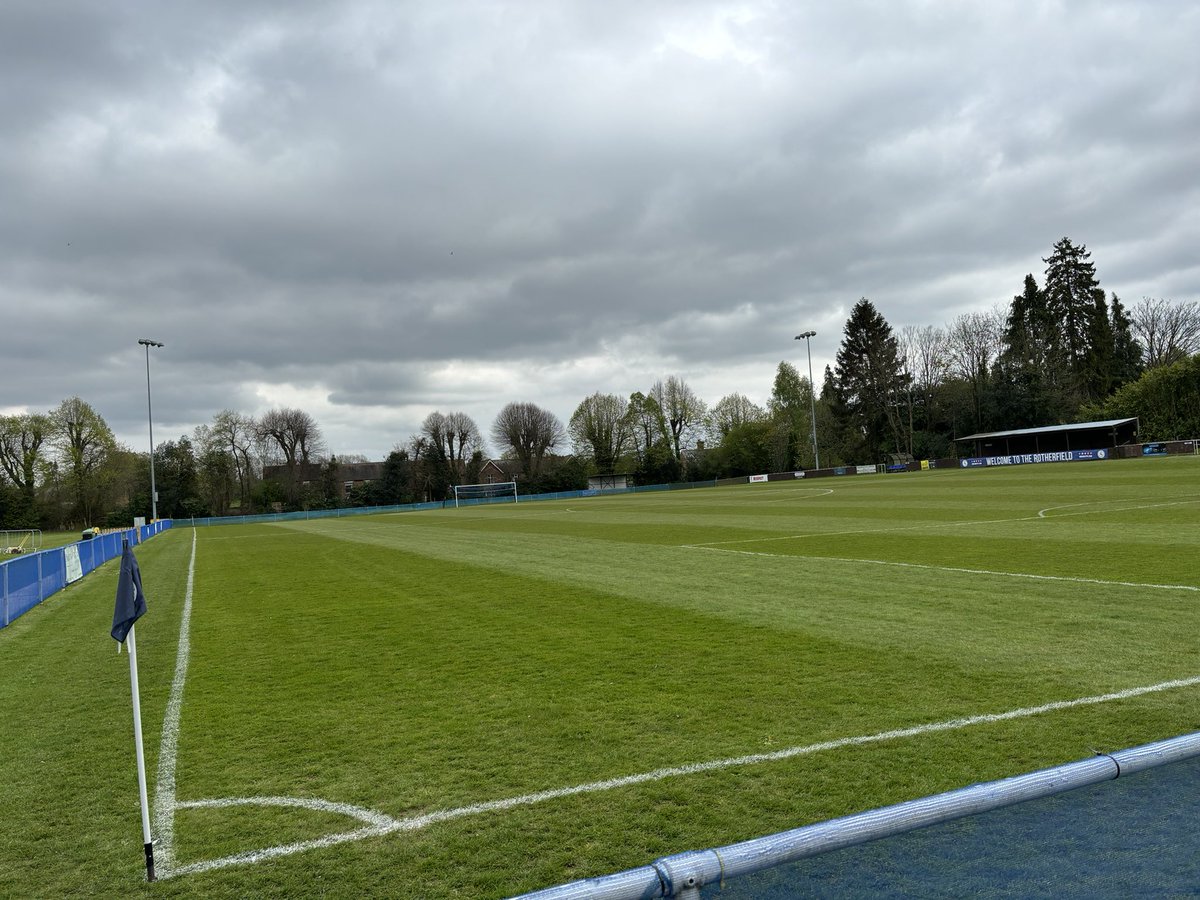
(454, 437)
(237, 433)
(298, 438)
(601, 427)
(528, 432)
(974, 341)
(1167, 331)
(924, 351)
(683, 410)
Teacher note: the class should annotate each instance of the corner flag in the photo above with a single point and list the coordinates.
(131, 602)
(131, 606)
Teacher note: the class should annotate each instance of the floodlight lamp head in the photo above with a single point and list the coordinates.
(806, 335)
(147, 343)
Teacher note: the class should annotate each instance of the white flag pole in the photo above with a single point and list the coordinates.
(141, 760)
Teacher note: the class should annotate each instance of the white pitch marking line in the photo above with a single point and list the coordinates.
(1088, 512)
(958, 569)
(807, 494)
(887, 530)
(164, 786)
(821, 534)
(379, 824)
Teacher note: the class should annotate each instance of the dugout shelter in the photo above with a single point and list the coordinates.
(1051, 438)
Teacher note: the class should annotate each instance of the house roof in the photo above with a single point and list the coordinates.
(507, 466)
(1049, 429)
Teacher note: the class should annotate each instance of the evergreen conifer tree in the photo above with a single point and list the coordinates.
(869, 377)
(1076, 302)
(1127, 352)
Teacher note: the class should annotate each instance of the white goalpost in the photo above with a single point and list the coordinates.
(485, 493)
(20, 540)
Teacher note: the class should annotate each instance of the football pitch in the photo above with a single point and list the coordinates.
(484, 701)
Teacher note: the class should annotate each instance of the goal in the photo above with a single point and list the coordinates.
(20, 540)
(485, 493)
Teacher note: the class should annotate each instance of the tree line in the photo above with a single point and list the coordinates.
(1061, 350)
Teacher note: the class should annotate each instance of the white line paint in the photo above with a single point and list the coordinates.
(881, 530)
(379, 824)
(1088, 512)
(806, 494)
(164, 786)
(956, 569)
(366, 816)
(890, 529)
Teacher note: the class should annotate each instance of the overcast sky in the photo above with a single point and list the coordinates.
(372, 210)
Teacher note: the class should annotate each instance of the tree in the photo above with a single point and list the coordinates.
(176, 479)
(682, 410)
(728, 413)
(1127, 352)
(1167, 331)
(791, 416)
(454, 437)
(869, 379)
(1165, 398)
(1036, 384)
(747, 448)
(926, 358)
(973, 341)
(646, 424)
(238, 434)
(13, 513)
(1076, 303)
(21, 458)
(331, 491)
(396, 481)
(600, 426)
(84, 442)
(216, 472)
(527, 432)
(298, 438)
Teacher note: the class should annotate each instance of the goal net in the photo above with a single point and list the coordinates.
(20, 540)
(485, 493)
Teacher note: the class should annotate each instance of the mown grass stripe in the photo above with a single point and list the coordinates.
(955, 569)
(381, 824)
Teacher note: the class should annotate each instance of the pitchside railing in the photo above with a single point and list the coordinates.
(301, 515)
(685, 874)
(27, 580)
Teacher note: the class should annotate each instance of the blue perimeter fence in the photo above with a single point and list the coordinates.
(342, 513)
(705, 873)
(27, 580)
(835, 471)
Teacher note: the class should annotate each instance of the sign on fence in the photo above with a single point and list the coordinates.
(1020, 459)
(74, 566)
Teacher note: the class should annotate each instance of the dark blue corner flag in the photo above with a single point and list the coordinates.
(131, 602)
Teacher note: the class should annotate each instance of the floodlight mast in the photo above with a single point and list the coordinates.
(812, 395)
(150, 416)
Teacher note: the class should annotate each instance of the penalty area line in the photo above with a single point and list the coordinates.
(379, 824)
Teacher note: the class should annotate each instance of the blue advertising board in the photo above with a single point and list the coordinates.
(1020, 459)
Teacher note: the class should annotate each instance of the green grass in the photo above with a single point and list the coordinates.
(420, 662)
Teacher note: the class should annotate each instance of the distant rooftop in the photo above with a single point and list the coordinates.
(1049, 429)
